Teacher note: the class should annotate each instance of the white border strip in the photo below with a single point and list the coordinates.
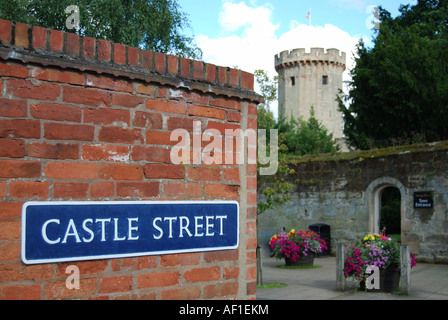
(118, 256)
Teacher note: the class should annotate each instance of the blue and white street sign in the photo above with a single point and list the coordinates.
(55, 232)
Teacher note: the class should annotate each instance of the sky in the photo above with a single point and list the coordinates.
(247, 34)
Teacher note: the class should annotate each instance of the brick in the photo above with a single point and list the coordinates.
(159, 138)
(221, 191)
(251, 198)
(231, 273)
(109, 83)
(160, 62)
(3, 189)
(251, 213)
(221, 290)
(127, 100)
(234, 77)
(251, 242)
(252, 110)
(73, 44)
(175, 123)
(119, 53)
(29, 190)
(251, 288)
(222, 75)
(133, 56)
(147, 89)
(56, 40)
(11, 230)
(185, 67)
(58, 76)
(20, 129)
(157, 280)
(120, 172)
(90, 97)
(251, 183)
(12, 148)
(107, 116)
(207, 112)
(120, 135)
(173, 64)
(19, 169)
(222, 127)
(163, 171)
(58, 151)
(10, 251)
(70, 170)
(10, 210)
(203, 174)
(20, 292)
(182, 294)
(58, 290)
(211, 72)
(216, 256)
(251, 273)
(148, 120)
(234, 116)
(105, 152)
(5, 31)
(115, 284)
(251, 228)
(138, 189)
(232, 174)
(252, 123)
(147, 57)
(89, 47)
(226, 103)
(22, 35)
(167, 106)
(85, 267)
(71, 190)
(102, 189)
(13, 108)
(60, 131)
(104, 50)
(182, 190)
(13, 70)
(198, 70)
(203, 274)
(187, 259)
(58, 112)
(25, 90)
(151, 154)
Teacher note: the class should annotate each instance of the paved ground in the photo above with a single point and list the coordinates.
(428, 282)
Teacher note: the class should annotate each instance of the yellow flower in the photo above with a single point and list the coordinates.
(292, 232)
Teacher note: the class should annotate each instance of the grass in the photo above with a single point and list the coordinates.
(298, 267)
(272, 286)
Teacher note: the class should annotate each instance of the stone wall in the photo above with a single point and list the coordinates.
(89, 120)
(343, 191)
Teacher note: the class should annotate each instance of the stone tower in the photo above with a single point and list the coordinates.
(312, 79)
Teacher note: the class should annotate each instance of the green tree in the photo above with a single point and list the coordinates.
(156, 25)
(306, 137)
(399, 88)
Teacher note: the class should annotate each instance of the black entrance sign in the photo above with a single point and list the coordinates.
(423, 200)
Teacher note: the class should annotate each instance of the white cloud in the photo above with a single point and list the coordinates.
(251, 41)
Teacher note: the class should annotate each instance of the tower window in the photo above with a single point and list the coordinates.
(324, 80)
(293, 81)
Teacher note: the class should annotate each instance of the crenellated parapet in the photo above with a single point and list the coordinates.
(290, 58)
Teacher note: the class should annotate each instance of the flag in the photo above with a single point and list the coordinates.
(308, 15)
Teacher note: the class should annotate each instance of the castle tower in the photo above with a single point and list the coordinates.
(312, 79)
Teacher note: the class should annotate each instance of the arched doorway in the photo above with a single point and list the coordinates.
(379, 194)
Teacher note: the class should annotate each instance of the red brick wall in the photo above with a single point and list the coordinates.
(86, 119)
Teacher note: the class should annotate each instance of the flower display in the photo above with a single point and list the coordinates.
(296, 244)
(373, 250)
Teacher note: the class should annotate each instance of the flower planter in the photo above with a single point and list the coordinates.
(306, 261)
(389, 281)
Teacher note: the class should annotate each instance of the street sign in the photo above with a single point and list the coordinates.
(55, 232)
(423, 200)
